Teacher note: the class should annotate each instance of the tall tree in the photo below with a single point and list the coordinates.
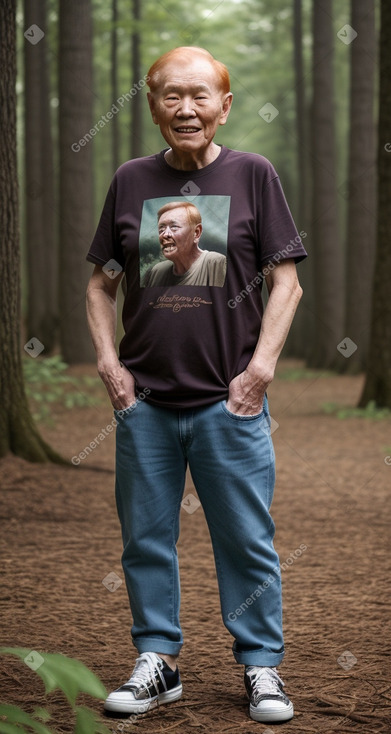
(378, 378)
(137, 101)
(114, 84)
(361, 227)
(297, 344)
(40, 225)
(17, 430)
(301, 114)
(76, 199)
(327, 253)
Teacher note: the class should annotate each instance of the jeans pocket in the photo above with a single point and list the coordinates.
(124, 412)
(240, 418)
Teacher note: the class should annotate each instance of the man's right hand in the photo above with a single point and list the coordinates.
(120, 385)
(102, 319)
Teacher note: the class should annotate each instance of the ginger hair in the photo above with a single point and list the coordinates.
(193, 215)
(183, 55)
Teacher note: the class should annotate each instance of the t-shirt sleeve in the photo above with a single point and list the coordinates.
(279, 238)
(106, 245)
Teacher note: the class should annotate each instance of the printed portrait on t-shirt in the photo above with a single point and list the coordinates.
(184, 242)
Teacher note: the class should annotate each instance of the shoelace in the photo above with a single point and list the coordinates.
(265, 681)
(145, 670)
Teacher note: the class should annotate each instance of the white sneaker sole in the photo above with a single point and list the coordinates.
(121, 705)
(277, 715)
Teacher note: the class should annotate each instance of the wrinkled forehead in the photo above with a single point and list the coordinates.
(196, 73)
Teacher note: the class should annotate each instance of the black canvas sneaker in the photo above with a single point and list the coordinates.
(268, 701)
(151, 682)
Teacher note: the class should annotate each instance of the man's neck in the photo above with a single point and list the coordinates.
(190, 161)
(180, 268)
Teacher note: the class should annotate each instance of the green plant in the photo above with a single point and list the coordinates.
(57, 672)
(371, 411)
(47, 383)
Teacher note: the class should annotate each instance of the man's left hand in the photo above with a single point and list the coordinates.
(246, 393)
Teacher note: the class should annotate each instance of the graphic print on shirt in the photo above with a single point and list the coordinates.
(184, 241)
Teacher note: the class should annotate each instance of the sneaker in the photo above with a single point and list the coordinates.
(151, 682)
(268, 702)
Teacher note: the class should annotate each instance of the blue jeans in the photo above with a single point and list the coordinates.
(231, 459)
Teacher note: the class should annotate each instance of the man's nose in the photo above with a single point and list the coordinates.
(186, 108)
(164, 229)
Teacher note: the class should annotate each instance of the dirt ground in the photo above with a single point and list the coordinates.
(61, 538)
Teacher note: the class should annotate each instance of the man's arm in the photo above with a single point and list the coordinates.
(102, 320)
(247, 389)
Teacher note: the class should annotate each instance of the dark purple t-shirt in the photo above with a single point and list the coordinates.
(186, 341)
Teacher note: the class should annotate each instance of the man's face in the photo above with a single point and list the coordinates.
(177, 236)
(188, 105)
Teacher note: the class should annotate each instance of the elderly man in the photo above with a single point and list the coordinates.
(205, 403)
(180, 228)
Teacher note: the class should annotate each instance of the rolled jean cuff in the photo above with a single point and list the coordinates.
(157, 644)
(259, 657)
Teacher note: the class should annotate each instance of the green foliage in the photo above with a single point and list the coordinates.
(252, 37)
(15, 717)
(87, 722)
(57, 672)
(370, 411)
(46, 382)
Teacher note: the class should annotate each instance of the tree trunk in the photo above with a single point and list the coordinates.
(327, 255)
(115, 141)
(301, 116)
(378, 379)
(40, 229)
(136, 103)
(361, 227)
(17, 430)
(298, 341)
(76, 200)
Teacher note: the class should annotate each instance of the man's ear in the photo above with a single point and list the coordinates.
(225, 107)
(197, 233)
(152, 107)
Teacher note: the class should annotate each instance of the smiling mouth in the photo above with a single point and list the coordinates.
(187, 130)
(168, 249)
